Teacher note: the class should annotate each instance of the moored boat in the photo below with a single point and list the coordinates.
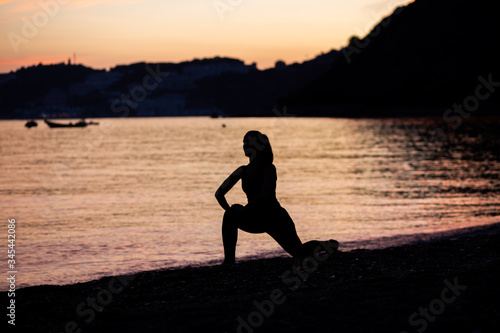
(52, 124)
(31, 123)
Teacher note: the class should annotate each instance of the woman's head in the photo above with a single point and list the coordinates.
(257, 147)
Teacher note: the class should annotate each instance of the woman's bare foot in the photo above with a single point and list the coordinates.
(333, 244)
(227, 262)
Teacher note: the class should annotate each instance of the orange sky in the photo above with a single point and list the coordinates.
(103, 34)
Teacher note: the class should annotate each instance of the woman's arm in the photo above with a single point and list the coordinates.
(226, 186)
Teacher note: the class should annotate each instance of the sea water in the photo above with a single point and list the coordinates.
(137, 194)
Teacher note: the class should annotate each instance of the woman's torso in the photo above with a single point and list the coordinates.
(253, 180)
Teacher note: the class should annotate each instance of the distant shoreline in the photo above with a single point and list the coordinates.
(429, 113)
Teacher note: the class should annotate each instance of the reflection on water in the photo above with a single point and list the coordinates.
(137, 194)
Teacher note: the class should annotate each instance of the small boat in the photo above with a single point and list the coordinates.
(52, 124)
(31, 123)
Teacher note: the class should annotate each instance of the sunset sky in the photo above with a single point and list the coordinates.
(103, 34)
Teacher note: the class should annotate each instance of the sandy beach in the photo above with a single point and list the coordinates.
(448, 284)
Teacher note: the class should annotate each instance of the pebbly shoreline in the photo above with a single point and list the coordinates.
(444, 285)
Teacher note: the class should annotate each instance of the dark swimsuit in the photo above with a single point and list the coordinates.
(252, 186)
(268, 215)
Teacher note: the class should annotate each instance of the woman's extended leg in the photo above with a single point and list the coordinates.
(288, 240)
(291, 243)
(286, 235)
(283, 231)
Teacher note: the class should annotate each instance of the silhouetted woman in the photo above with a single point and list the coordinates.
(263, 212)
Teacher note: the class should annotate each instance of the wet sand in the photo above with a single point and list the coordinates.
(448, 284)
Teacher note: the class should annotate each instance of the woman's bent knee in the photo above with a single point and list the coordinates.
(237, 208)
(234, 212)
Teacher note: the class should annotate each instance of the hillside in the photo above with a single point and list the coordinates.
(428, 54)
(422, 60)
(217, 85)
(140, 89)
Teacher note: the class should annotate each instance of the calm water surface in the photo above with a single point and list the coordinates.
(137, 194)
